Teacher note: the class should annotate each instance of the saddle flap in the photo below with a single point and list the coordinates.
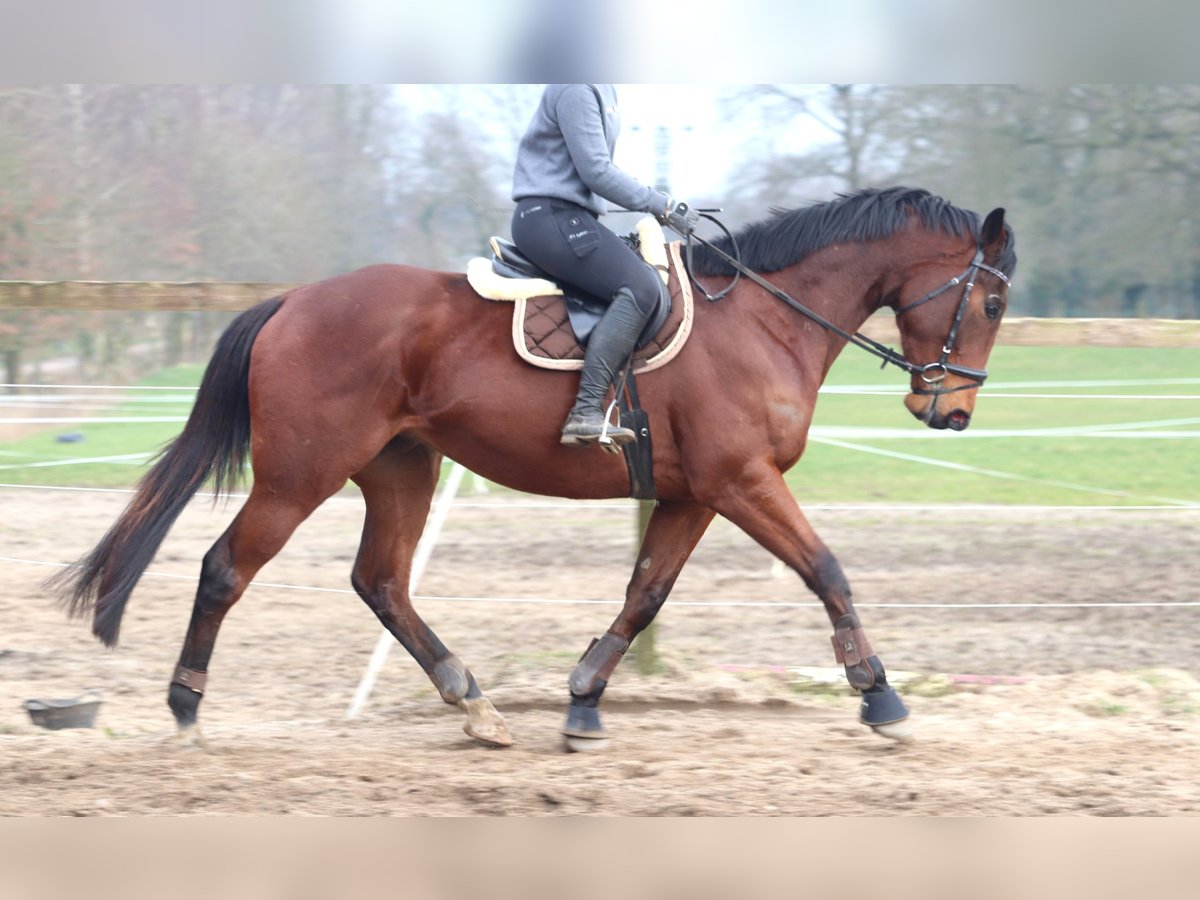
(544, 335)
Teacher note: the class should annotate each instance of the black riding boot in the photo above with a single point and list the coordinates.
(611, 344)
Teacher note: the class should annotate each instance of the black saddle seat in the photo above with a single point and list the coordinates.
(510, 262)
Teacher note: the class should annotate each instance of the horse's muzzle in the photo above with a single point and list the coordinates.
(955, 420)
(924, 407)
(958, 420)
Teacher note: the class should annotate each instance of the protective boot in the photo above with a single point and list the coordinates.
(611, 344)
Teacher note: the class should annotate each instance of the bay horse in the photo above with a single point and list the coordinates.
(376, 375)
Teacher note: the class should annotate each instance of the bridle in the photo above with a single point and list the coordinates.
(935, 373)
(931, 373)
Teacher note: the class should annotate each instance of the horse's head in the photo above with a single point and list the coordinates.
(948, 319)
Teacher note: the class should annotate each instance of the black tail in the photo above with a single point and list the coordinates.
(214, 443)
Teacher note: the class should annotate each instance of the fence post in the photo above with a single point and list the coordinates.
(645, 645)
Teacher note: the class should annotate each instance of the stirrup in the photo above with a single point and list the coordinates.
(610, 437)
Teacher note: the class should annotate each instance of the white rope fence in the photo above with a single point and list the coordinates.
(674, 602)
(999, 391)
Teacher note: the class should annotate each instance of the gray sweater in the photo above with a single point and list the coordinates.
(567, 153)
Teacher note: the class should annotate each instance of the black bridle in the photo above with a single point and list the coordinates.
(942, 367)
(931, 373)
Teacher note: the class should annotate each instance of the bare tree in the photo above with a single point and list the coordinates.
(855, 119)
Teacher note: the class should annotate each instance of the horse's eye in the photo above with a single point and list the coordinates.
(991, 310)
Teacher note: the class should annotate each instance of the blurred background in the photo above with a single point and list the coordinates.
(295, 182)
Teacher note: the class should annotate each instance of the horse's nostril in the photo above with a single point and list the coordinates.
(958, 420)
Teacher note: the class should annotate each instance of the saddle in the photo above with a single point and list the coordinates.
(552, 321)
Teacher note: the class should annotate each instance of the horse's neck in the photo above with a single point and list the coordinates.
(847, 284)
(845, 296)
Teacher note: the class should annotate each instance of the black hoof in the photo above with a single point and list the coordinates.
(882, 707)
(584, 722)
(583, 731)
(184, 703)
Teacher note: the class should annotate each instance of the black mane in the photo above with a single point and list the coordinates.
(865, 215)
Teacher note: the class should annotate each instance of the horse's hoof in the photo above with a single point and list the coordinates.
(494, 734)
(882, 707)
(576, 744)
(484, 723)
(896, 731)
(583, 730)
(190, 738)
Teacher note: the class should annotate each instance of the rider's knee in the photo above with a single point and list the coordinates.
(644, 291)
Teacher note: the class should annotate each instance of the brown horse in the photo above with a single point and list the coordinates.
(376, 375)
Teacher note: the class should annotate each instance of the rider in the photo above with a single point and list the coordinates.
(564, 175)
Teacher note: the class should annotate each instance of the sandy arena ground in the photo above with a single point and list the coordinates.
(1016, 711)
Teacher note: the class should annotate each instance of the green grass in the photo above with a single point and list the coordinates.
(39, 458)
(1073, 470)
(1141, 471)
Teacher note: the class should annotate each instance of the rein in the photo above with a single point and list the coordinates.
(931, 373)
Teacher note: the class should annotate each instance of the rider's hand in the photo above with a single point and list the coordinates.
(680, 217)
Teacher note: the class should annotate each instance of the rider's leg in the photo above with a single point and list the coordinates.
(571, 244)
(610, 345)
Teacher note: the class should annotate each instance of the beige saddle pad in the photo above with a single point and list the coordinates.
(541, 330)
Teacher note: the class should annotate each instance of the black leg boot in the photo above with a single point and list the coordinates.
(611, 344)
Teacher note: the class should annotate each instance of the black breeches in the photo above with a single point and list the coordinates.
(568, 242)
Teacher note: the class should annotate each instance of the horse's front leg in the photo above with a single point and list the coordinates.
(671, 535)
(763, 507)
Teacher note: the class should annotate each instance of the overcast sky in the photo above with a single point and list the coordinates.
(702, 152)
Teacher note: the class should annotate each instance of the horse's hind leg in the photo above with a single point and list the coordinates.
(258, 532)
(671, 535)
(398, 486)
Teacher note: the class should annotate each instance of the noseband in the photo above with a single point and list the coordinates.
(936, 372)
(931, 373)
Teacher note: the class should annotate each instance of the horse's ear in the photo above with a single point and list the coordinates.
(993, 233)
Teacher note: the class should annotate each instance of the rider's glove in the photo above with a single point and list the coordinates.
(680, 217)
